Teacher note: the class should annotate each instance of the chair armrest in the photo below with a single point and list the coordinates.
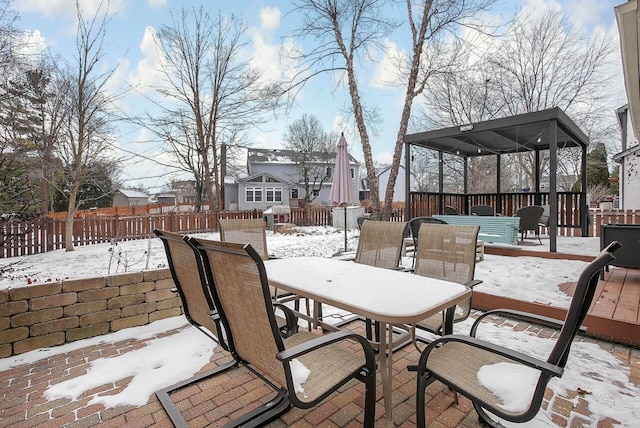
(304, 348)
(520, 315)
(473, 283)
(519, 357)
(289, 316)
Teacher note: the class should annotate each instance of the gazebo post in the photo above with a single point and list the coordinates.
(537, 199)
(441, 181)
(583, 195)
(498, 184)
(407, 181)
(553, 198)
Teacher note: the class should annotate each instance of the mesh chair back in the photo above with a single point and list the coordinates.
(486, 210)
(245, 231)
(380, 243)
(197, 301)
(447, 252)
(416, 222)
(241, 294)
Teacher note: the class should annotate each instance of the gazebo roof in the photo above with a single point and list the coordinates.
(524, 132)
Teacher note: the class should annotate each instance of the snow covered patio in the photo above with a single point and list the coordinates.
(109, 381)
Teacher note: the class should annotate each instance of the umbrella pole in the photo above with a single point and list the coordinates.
(345, 229)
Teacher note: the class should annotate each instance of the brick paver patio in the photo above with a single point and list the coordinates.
(215, 401)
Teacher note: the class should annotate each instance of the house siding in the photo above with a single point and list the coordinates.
(629, 178)
(288, 178)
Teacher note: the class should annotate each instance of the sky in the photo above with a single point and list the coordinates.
(50, 24)
(165, 360)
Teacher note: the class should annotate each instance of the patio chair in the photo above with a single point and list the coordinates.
(245, 231)
(241, 293)
(485, 210)
(456, 360)
(529, 218)
(414, 227)
(380, 243)
(252, 231)
(197, 302)
(447, 252)
(449, 210)
(544, 218)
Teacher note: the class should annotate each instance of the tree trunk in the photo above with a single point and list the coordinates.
(71, 213)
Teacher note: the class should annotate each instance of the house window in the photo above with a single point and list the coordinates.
(274, 194)
(353, 172)
(253, 194)
(271, 180)
(294, 194)
(256, 179)
(328, 171)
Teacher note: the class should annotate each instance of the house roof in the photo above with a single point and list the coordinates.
(284, 156)
(250, 177)
(523, 132)
(630, 151)
(130, 193)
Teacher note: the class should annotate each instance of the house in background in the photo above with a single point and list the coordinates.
(629, 160)
(274, 178)
(129, 198)
(399, 190)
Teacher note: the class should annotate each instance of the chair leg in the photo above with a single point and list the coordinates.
(370, 401)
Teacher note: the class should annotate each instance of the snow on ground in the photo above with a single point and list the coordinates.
(525, 278)
(590, 367)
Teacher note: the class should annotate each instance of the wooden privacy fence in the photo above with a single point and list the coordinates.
(44, 234)
(20, 238)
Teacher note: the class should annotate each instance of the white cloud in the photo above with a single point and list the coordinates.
(156, 4)
(65, 8)
(270, 18)
(148, 71)
(385, 73)
(384, 158)
(33, 43)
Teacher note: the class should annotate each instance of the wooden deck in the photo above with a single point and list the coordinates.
(614, 313)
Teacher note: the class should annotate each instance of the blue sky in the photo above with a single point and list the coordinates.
(51, 23)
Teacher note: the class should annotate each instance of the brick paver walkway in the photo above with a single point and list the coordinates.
(215, 401)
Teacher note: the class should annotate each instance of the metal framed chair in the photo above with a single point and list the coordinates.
(485, 210)
(414, 227)
(529, 219)
(245, 231)
(240, 289)
(447, 252)
(380, 243)
(186, 271)
(456, 360)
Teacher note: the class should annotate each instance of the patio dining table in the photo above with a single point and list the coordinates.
(390, 297)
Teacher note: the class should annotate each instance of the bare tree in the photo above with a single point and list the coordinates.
(212, 95)
(542, 62)
(86, 141)
(313, 150)
(345, 29)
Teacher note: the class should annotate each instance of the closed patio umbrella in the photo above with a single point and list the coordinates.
(342, 184)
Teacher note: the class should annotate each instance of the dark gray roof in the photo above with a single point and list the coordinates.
(524, 132)
(284, 156)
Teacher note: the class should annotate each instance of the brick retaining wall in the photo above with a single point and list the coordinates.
(51, 314)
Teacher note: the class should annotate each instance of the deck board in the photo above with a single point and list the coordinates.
(614, 313)
(607, 301)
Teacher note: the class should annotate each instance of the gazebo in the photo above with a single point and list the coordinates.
(533, 132)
